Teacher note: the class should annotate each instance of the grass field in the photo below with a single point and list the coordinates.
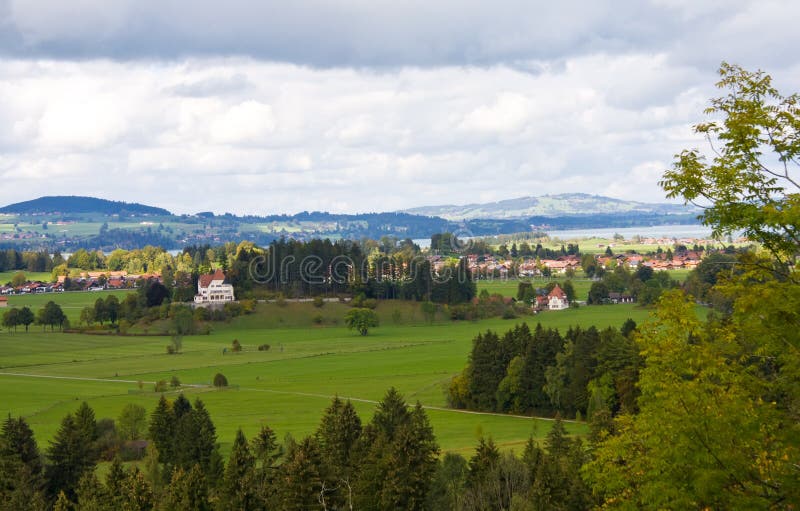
(46, 375)
(508, 287)
(71, 302)
(46, 276)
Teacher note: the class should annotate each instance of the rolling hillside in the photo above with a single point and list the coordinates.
(566, 204)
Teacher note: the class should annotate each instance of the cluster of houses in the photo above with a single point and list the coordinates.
(492, 266)
(212, 288)
(86, 281)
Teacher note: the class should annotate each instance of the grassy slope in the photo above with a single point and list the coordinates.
(287, 387)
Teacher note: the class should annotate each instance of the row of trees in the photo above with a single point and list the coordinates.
(543, 372)
(390, 462)
(50, 315)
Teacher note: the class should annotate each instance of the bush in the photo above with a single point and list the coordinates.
(317, 319)
(263, 347)
(318, 302)
(248, 306)
(161, 386)
(220, 380)
(370, 303)
(236, 346)
(174, 382)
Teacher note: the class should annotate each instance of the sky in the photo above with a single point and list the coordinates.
(265, 107)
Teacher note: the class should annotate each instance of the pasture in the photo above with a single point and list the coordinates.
(71, 302)
(46, 375)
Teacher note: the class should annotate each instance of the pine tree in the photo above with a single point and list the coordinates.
(21, 476)
(187, 491)
(337, 435)
(301, 483)
(137, 493)
(115, 482)
(91, 495)
(239, 484)
(71, 454)
(162, 430)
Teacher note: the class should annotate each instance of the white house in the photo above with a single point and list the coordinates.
(557, 299)
(212, 288)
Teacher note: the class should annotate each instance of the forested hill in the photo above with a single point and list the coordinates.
(72, 204)
(561, 205)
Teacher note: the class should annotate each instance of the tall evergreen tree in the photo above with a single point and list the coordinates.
(239, 484)
(70, 455)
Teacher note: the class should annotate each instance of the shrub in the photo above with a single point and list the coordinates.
(236, 346)
(317, 319)
(161, 386)
(370, 303)
(174, 382)
(318, 302)
(509, 313)
(248, 306)
(220, 380)
(263, 347)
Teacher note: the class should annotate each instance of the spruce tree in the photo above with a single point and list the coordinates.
(187, 491)
(70, 455)
(239, 484)
(162, 430)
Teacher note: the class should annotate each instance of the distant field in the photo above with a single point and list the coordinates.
(46, 276)
(509, 287)
(286, 387)
(71, 302)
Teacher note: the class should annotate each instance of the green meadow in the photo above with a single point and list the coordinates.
(71, 302)
(312, 357)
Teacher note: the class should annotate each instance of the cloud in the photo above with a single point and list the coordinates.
(384, 34)
(301, 139)
(278, 106)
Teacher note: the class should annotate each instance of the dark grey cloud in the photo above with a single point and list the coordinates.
(355, 33)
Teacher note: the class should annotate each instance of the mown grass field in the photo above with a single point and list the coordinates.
(46, 375)
(71, 302)
(508, 287)
(5, 276)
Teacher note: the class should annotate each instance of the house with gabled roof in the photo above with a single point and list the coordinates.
(557, 299)
(213, 288)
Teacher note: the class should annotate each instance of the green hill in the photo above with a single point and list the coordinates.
(71, 204)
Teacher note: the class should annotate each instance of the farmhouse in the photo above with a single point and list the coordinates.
(3, 301)
(212, 288)
(557, 299)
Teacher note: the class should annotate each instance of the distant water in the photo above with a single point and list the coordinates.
(658, 231)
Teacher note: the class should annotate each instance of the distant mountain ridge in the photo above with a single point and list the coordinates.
(565, 204)
(71, 204)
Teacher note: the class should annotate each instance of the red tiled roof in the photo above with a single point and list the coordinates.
(205, 280)
(557, 292)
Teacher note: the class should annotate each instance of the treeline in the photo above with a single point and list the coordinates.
(578, 374)
(38, 261)
(317, 267)
(50, 315)
(391, 462)
(644, 285)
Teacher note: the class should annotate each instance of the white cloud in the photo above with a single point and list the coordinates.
(355, 106)
(247, 122)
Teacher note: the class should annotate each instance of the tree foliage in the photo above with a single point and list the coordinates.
(361, 319)
(751, 182)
